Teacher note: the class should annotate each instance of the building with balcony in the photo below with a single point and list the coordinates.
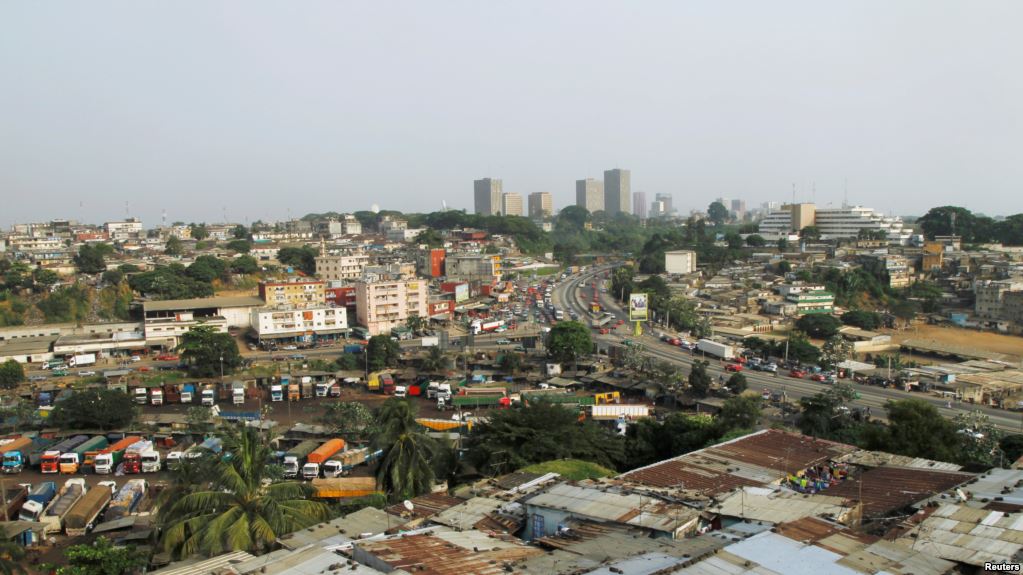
(843, 223)
(294, 292)
(383, 306)
(341, 267)
(817, 301)
(305, 323)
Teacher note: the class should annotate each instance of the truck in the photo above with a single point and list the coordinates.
(294, 457)
(15, 499)
(601, 321)
(323, 387)
(108, 459)
(15, 453)
(610, 412)
(66, 498)
(126, 500)
(352, 348)
(307, 386)
(141, 395)
(151, 461)
(53, 364)
(133, 455)
(479, 326)
(208, 397)
(344, 487)
(716, 349)
(400, 391)
(344, 461)
(294, 391)
(39, 446)
(83, 514)
(50, 461)
(373, 381)
(319, 456)
(237, 393)
(188, 393)
(172, 393)
(71, 461)
(387, 384)
(38, 500)
(156, 396)
(82, 360)
(276, 392)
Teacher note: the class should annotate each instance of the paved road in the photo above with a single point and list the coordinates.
(567, 294)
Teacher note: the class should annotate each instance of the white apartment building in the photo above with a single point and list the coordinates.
(383, 306)
(833, 223)
(350, 226)
(680, 262)
(299, 323)
(341, 267)
(125, 230)
(403, 234)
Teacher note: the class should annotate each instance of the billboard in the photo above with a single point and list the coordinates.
(638, 310)
(461, 292)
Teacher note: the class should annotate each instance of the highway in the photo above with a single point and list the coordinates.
(567, 296)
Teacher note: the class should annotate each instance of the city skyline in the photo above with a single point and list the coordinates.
(268, 110)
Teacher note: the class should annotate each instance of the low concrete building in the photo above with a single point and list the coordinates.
(293, 291)
(300, 323)
(680, 262)
(167, 320)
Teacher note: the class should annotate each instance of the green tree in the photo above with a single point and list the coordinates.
(755, 241)
(513, 438)
(11, 374)
(383, 352)
(783, 244)
(243, 508)
(431, 238)
(207, 268)
(818, 325)
(12, 557)
(825, 413)
(44, 279)
(737, 383)
(100, 558)
(240, 232)
(862, 319)
(90, 258)
(1012, 447)
(568, 340)
(699, 379)
(948, 221)
(784, 267)
(916, 429)
(810, 233)
(303, 258)
(406, 469)
(198, 232)
(717, 213)
(741, 412)
(349, 419)
(834, 351)
(734, 241)
(112, 277)
(572, 218)
(94, 409)
(648, 441)
(207, 351)
(434, 361)
(199, 419)
(979, 441)
(239, 246)
(174, 246)
(510, 362)
(417, 324)
(905, 310)
(245, 264)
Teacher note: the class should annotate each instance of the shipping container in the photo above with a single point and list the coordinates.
(127, 500)
(83, 514)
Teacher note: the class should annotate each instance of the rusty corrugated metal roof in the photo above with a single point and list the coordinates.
(425, 506)
(431, 554)
(887, 489)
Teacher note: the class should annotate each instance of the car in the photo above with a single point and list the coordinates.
(144, 368)
(604, 331)
(736, 367)
(167, 357)
(86, 373)
(818, 377)
(503, 341)
(58, 373)
(37, 378)
(136, 358)
(771, 367)
(290, 347)
(297, 356)
(797, 373)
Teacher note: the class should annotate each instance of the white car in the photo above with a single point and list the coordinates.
(86, 373)
(136, 358)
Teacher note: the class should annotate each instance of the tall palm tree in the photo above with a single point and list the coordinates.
(434, 360)
(407, 467)
(242, 508)
(12, 559)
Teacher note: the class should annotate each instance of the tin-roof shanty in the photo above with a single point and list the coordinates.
(444, 552)
(887, 489)
(970, 536)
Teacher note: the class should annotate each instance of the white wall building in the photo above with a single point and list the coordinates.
(300, 323)
(680, 262)
(126, 230)
(833, 223)
(341, 267)
(383, 306)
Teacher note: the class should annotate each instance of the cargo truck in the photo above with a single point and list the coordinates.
(82, 516)
(39, 447)
(133, 455)
(344, 487)
(71, 461)
(188, 393)
(715, 349)
(387, 384)
(151, 461)
(141, 395)
(294, 392)
(82, 360)
(238, 393)
(344, 461)
(50, 461)
(323, 388)
(15, 454)
(127, 499)
(171, 394)
(38, 500)
(108, 459)
(373, 381)
(16, 497)
(319, 456)
(208, 398)
(66, 498)
(156, 396)
(296, 455)
(276, 392)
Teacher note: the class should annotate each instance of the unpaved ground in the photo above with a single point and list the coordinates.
(996, 342)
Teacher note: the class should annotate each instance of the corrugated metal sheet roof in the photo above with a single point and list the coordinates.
(630, 509)
(466, 514)
(448, 553)
(204, 567)
(887, 489)
(342, 529)
(967, 535)
(425, 505)
(866, 458)
(780, 506)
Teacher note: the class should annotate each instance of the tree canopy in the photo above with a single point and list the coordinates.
(207, 351)
(94, 408)
(568, 340)
(11, 374)
(818, 325)
(383, 352)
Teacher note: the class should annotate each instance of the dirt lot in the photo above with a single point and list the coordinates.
(1007, 344)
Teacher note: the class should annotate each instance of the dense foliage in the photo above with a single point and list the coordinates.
(209, 352)
(383, 352)
(94, 409)
(568, 340)
(11, 374)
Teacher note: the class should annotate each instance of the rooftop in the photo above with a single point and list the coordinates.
(630, 509)
(887, 489)
(444, 552)
(971, 536)
(203, 303)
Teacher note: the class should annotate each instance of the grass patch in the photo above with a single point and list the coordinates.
(573, 469)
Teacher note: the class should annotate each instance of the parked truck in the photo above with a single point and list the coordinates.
(50, 461)
(294, 391)
(71, 461)
(156, 396)
(188, 393)
(108, 459)
(140, 395)
(82, 360)
(133, 455)
(66, 498)
(40, 446)
(127, 499)
(171, 394)
(238, 393)
(387, 384)
(344, 487)
(38, 500)
(344, 461)
(296, 455)
(319, 456)
(15, 454)
(373, 381)
(711, 347)
(208, 397)
(83, 514)
(276, 392)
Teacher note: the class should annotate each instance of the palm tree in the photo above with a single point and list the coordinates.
(188, 476)
(407, 469)
(434, 360)
(12, 559)
(242, 508)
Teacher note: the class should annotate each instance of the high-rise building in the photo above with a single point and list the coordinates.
(617, 191)
(541, 205)
(639, 204)
(589, 194)
(487, 195)
(666, 205)
(385, 305)
(738, 209)
(511, 204)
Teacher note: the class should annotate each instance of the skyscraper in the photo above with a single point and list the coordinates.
(739, 209)
(541, 205)
(589, 194)
(639, 204)
(617, 191)
(511, 204)
(666, 207)
(487, 195)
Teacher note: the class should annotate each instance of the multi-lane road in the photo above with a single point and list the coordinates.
(567, 295)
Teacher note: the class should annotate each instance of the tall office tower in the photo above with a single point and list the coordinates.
(541, 205)
(617, 191)
(639, 204)
(665, 200)
(589, 194)
(487, 194)
(739, 209)
(511, 204)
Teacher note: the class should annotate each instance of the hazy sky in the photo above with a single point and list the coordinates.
(266, 109)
